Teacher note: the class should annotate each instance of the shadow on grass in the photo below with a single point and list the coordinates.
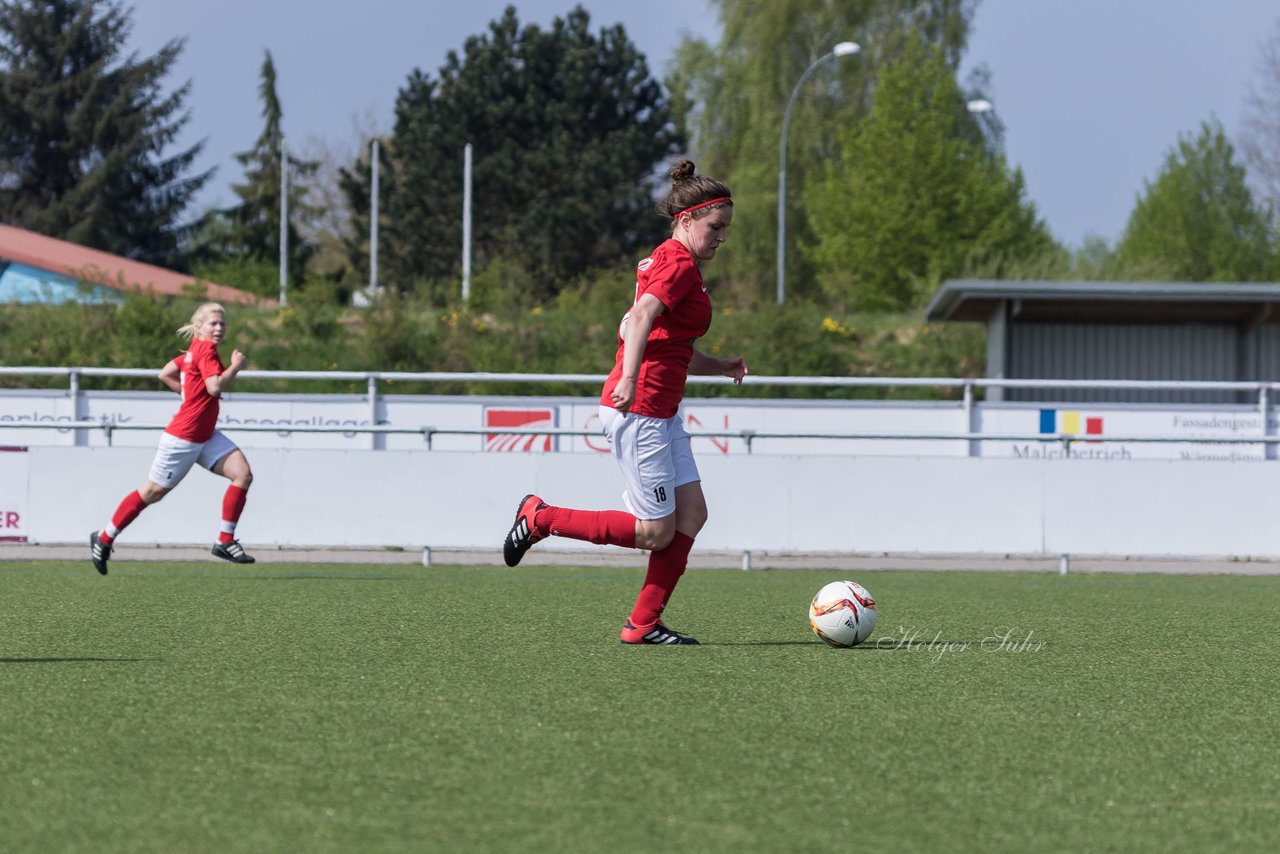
(65, 660)
(762, 643)
(321, 578)
(894, 646)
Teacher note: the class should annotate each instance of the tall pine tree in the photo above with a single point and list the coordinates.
(83, 128)
(253, 231)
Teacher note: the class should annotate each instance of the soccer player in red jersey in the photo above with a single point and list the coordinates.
(192, 437)
(639, 410)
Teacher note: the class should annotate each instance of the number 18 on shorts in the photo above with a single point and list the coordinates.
(654, 457)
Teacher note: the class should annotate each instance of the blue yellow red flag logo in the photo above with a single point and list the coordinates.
(1069, 422)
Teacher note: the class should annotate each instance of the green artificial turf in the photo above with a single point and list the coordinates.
(202, 707)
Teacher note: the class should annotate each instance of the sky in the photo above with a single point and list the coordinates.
(1093, 93)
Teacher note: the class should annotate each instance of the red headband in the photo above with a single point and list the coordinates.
(703, 205)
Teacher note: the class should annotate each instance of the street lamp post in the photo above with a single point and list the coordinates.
(842, 49)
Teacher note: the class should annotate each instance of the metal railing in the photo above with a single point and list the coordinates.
(968, 402)
(747, 436)
(752, 379)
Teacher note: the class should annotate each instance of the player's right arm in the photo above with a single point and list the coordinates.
(217, 383)
(634, 339)
(169, 376)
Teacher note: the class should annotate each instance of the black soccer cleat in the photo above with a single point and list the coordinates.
(100, 552)
(659, 634)
(523, 534)
(231, 551)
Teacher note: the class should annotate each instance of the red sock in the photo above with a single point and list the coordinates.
(128, 510)
(665, 569)
(232, 506)
(603, 527)
(680, 574)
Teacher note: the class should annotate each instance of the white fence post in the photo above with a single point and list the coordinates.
(376, 441)
(79, 437)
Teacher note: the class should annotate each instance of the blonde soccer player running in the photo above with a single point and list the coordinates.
(191, 438)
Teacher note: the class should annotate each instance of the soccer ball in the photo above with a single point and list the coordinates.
(843, 614)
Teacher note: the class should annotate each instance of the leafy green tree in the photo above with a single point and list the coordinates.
(913, 198)
(732, 97)
(1093, 260)
(83, 125)
(567, 128)
(253, 225)
(1197, 221)
(1260, 136)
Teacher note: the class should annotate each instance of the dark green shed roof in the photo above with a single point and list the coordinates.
(1108, 302)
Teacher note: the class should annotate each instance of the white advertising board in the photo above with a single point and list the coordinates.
(1101, 429)
(766, 503)
(1094, 424)
(35, 406)
(13, 494)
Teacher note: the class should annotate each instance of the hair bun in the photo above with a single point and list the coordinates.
(682, 171)
(689, 189)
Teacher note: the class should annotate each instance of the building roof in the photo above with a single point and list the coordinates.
(103, 268)
(1110, 302)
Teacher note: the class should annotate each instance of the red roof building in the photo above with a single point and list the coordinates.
(33, 266)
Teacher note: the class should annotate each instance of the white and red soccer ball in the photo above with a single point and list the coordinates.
(843, 614)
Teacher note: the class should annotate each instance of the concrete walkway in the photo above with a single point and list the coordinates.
(612, 557)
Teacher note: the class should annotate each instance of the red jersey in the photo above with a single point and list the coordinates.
(670, 274)
(198, 416)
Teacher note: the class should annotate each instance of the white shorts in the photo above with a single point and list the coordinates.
(175, 457)
(655, 458)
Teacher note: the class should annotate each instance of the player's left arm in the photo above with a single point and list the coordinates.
(703, 365)
(217, 383)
